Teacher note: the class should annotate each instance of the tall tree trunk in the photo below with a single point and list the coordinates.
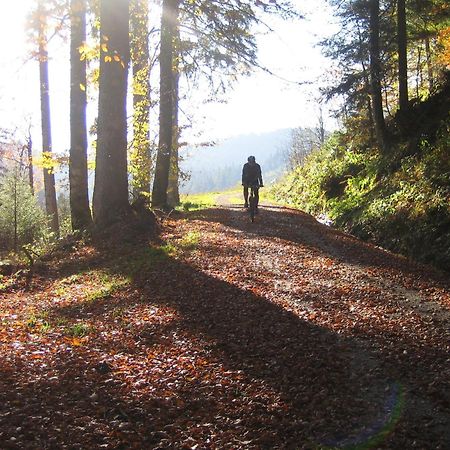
(30, 161)
(367, 89)
(16, 234)
(169, 22)
(429, 64)
(419, 71)
(366, 86)
(375, 74)
(78, 171)
(402, 55)
(173, 191)
(140, 157)
(49, 177)
(111, 183)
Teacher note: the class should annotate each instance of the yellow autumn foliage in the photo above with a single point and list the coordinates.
(444, 45)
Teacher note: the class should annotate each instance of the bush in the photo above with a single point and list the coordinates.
(22, 221)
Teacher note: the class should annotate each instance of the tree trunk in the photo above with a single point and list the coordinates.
(366, 85)
(169, 23)
(429, 64)
(49, 177)
(30, 162)
(419, 71)
(402, 55)
(173, 191)
(16, 238)
(375, 74)
(140, 157)
(78, 171)
(111, 183)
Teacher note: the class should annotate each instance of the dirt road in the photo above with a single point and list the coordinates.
(282, 333)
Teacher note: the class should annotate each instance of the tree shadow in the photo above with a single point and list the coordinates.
(260, 377)
(301, 228)
(316, 386)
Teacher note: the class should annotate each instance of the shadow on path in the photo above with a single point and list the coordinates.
(303, 229)
(268, 378)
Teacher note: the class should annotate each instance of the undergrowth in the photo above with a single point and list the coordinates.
(400, 201)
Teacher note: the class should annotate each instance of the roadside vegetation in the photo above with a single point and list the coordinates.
(384, 175)
(401, 200)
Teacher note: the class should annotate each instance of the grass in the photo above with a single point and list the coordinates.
(78, 330)
(109, 284)
(3, 285)
(41, 322)
(189, 241)
(38, 322)
(196, 202)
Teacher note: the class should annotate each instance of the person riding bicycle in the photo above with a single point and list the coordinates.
(251, 176)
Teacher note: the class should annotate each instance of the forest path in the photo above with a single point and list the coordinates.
(390, 316)
(282, 333)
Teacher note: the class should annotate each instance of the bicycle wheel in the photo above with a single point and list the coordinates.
(252, 207)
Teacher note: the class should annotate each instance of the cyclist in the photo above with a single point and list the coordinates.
(251, 176)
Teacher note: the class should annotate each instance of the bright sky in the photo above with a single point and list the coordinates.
(264, 103)
(257, 104)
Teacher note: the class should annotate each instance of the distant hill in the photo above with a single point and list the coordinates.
(219, 167)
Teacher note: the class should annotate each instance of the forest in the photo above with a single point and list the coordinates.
(207, 43)
(384, 176)
(136, 316)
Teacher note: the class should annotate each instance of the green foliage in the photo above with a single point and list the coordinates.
(406, 209)
(65, 221)
(22, 220)
(38, 323)
(104, 284)
(78, 330)
(189, 241)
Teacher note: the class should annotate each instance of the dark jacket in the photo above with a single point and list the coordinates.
(251, 174)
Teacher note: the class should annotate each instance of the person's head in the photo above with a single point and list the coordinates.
(251, 159)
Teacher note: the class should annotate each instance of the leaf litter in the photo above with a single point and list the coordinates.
(282, 333)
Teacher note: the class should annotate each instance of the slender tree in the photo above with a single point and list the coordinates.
(429, 63)
(49, 177)
(173, 191)
(169, 25)
(29, 146)
(402, 55)
(140, 165)
(375, 74)
(78, 171)
(111, 183)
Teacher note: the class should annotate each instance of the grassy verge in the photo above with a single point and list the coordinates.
(234, 196)
(195, 202)
(400, 201)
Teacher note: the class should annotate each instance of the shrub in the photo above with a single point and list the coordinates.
(22, 220)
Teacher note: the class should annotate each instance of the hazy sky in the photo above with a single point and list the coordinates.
(263, 102)
(258, 103)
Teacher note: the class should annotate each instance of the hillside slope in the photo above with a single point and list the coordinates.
(400, 200)
(219, 166)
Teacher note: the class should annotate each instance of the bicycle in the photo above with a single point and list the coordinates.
(252, 205)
